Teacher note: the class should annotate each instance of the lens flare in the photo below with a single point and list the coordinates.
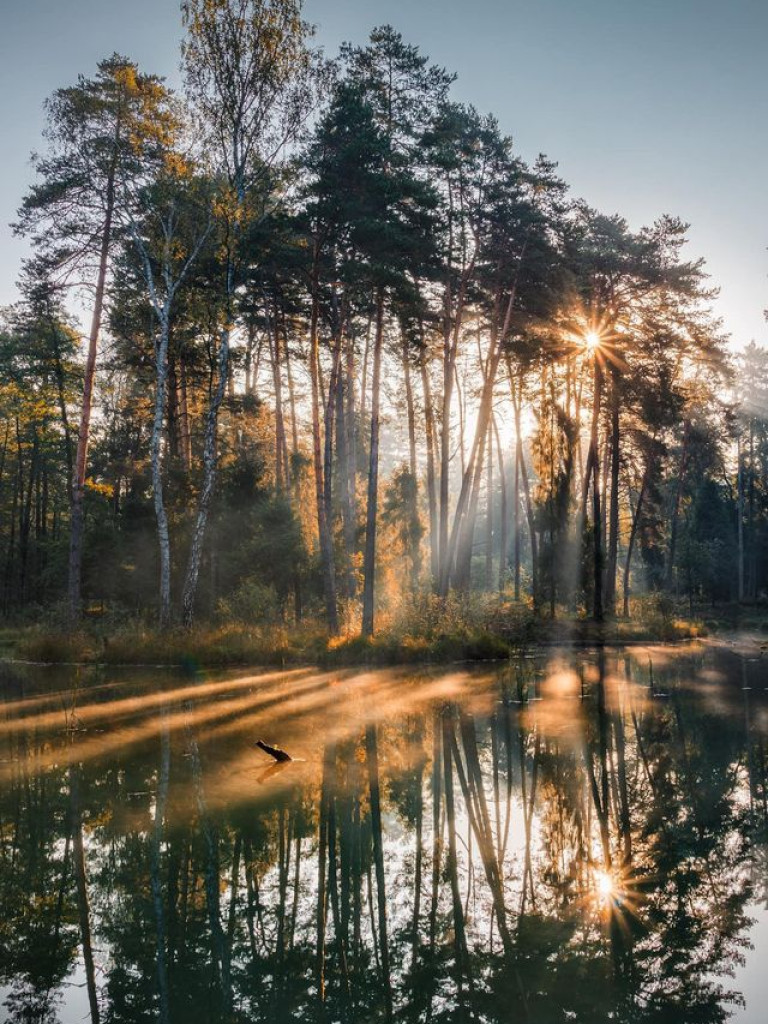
(592, 341)
(605, 886)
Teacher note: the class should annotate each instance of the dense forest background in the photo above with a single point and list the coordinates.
(352, 359)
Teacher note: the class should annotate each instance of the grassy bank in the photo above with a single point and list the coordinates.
(475, 629)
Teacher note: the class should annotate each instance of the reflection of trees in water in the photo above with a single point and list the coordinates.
(566, 850)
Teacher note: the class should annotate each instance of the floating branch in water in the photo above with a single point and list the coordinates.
(276, 752)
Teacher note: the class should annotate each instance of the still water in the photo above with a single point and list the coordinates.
(564, 837)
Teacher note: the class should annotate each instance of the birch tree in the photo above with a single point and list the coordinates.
(249, 75)
(172, 224)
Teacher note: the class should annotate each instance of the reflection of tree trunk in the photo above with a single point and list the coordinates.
(418, 866)
(625, 823)
(250, 906)
(283, 863)
(56, 937)
(322, 857)
(452, 862)
(437, 838)
(295, 898)
(372, 761)
(496, 784)
(81, 880)
(184, 899)
(601, 790)
(477, 809)
(528, 801)
(157, 890)
(508, 802)
(234, 883)
(333, 892)
(220, 949)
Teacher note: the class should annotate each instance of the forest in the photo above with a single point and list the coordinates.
(353, 365)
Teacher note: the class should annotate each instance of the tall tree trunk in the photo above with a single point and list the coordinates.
(210, 465)
(633, 533)
(503, 511)
(675, 514)
(516, 499)
(161, 379)
(409, 409)
(186, 437)
(593, 472)
(282, 465)
(291, 393)
(460, 544)
(369, 557)
(489, 513)
(323, 526)
(613, 520)
(77, 513)
(429, 428)
(451, 334)
(517, 403)
(740, 515)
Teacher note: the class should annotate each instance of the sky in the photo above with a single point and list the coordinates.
(648, 106)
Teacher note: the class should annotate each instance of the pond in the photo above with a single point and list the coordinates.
(563, 837)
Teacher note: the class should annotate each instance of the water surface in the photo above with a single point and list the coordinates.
(564, 837)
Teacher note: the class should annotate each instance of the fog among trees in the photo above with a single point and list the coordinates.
(352, 360)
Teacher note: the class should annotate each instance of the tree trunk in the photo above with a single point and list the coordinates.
(489, 513)
(186, 439)
(323, 526)
(676, 504)
(633, 534)
(517, 402)
(161, 378)
(613, 519)
(503, 512)
(369, 557)
(429, 427)
(77, 514)
(282, 465)
(593, 473)
(740, 515)
(210, 461)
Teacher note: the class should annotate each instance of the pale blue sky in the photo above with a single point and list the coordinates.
(650, 106)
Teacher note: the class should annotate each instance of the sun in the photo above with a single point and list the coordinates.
(591, 341)
(605, 886)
